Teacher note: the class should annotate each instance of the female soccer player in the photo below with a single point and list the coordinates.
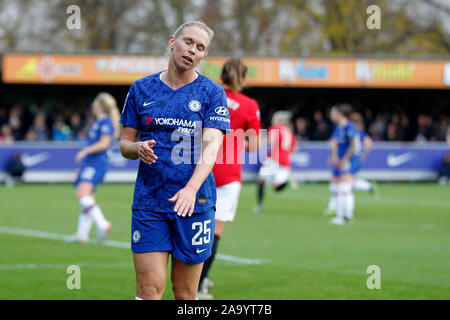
(343, 145)
(180, 117)
(363, 146)
(276, 168)
(362, 149)
(94, 165)
(245, 125)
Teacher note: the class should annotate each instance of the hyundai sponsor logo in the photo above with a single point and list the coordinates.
(221, 111)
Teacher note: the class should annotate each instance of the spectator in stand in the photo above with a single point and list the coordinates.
(440, 131)
(301, 129)
(368, 117)
(373, 132)
(405, 127)
(61, 131)
(6, 134)
(83, 134)
(76, 126)
(392, 133)
(38, 131)
(380, 126)
(321, 128)
(424, 128)
(395, 119)
(3, 116)
(15, 121)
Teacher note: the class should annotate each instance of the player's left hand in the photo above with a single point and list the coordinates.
(185, 201)
(80, 156)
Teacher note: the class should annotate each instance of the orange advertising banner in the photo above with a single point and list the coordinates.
(262, 72)
(78, 69)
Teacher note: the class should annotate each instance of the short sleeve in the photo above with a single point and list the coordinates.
(217, 114)
(352, 132)
(130, 116)
(107, 128)
(254, 120)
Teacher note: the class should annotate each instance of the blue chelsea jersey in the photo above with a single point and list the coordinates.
(101, 127)
(359, 142)
(344, 136)
(174, 119)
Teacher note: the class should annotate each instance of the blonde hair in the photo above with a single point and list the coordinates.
(233, 74)
(109, 106)
(192, 23)
(195, 23)
(357, 119)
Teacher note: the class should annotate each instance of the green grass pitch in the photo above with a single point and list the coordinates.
(405, 231)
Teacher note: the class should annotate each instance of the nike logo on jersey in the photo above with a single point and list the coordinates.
(200, 251)
(395, 161)
(148, 103)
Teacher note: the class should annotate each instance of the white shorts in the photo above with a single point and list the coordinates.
(227, 201)
(273, 172)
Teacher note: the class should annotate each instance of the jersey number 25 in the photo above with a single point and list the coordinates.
(202, 228)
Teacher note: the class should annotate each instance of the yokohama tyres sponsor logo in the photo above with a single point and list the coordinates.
(175, 122)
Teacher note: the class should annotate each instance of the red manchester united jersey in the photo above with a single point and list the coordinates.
(244, 115)
(282, 143)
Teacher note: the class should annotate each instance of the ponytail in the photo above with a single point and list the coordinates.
(233, 74)
(109, 106)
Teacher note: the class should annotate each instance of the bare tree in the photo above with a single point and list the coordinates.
(250, 27)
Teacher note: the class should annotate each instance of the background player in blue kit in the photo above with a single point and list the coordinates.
(94, 165)
(343, 145)
(362, 149)
(180, 117)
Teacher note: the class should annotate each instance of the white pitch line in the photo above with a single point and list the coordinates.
(377, 201)
(64, 266)
(239, 260)
(113, 243)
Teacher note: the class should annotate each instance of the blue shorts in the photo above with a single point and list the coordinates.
(351, 167)
(188, 239)
(91, 173)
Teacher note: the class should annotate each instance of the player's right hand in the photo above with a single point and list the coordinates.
(80, 156)
(332, 161)
(184, 201)
(145, 151)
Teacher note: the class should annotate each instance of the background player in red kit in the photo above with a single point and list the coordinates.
(276, 168)
(245, 125)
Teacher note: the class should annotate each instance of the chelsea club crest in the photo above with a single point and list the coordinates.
(195, 105)
(136, 236)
